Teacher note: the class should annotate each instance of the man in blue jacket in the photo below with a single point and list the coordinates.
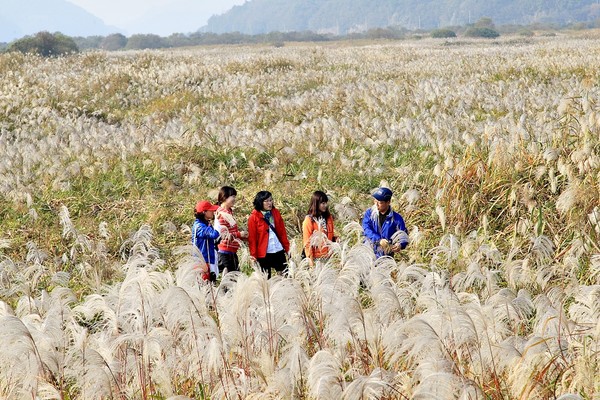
(383, 227)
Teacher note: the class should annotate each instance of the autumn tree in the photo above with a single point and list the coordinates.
(45, 44)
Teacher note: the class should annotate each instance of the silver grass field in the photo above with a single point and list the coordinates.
(491, 147)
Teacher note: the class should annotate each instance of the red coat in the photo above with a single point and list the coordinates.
(258, 233)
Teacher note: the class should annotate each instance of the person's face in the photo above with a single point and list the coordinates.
(268, 204)
(229, 202)
(323, 206)
(209, 214)
(382, 206)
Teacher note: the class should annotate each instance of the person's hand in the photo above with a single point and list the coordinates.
(202, 267)
(396, 248)
(244, 235)
(385, 245)
(311, 262)
(204, 270)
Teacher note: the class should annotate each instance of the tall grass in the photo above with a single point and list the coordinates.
(492, 151)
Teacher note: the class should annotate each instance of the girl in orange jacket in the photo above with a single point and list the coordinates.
(317, 228)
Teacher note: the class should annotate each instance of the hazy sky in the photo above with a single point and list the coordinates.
(161, 17)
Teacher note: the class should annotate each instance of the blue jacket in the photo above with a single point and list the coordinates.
(392, 224)
(203, 237)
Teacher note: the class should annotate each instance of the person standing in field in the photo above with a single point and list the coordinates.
(384, 228)
(267, 238)
(203, 237)
(317, 229)
(228, 228)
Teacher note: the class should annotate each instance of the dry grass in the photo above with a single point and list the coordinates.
(491, 147)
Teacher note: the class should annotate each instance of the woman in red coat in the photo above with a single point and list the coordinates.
(267, 238)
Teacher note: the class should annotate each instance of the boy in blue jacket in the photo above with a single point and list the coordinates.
(204, 236)
(384, 228)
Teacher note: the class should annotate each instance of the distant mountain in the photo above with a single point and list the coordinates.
(26, 17)
(345, 16)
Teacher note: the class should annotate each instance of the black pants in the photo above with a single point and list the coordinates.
(278, 261)
(229, 261)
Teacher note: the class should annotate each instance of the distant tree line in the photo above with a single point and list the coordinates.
(55, 44)
(118, 41)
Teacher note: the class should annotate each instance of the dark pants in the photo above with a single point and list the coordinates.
(278, 261)
(229, 261)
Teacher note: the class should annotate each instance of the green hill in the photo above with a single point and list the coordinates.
(345, 16)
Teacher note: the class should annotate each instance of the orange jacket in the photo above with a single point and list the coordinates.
(309, 226)
(258, 233)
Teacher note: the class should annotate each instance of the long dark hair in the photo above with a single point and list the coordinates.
(224, 193)
(317, 198)
(260, 198)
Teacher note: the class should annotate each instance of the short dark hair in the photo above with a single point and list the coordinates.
(201, 216)
(260, 198)
(224, 193)
(317, 198)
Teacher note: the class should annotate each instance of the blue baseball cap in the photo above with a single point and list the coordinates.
(383, 194)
